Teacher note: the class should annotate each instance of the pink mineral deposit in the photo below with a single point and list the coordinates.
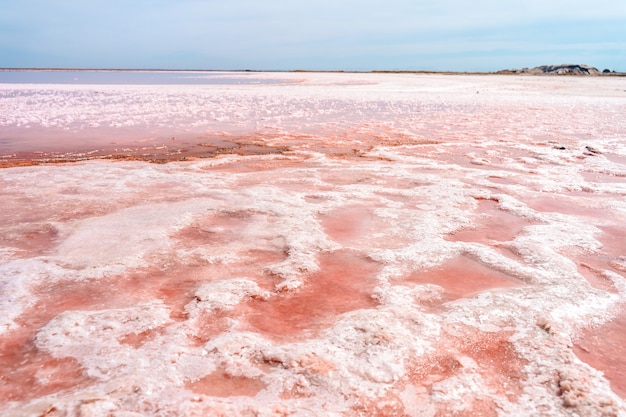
(322, 245)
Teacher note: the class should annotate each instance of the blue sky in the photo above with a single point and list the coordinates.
(478, 35)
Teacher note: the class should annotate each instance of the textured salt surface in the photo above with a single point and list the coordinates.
(338, 244)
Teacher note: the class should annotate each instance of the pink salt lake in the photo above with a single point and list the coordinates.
(328, 244)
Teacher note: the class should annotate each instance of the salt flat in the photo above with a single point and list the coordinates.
(325, 244)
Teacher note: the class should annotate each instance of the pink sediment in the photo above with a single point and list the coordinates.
(499, 363)
(602, 348)
(220, 384)
(463, 277)
(553, 204)
(492, 224)
(27, 373)
(351, 226)
(345, 283)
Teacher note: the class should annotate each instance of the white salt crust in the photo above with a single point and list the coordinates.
(210, 218)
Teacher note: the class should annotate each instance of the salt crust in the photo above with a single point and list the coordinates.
(357, 349)
(364, 357)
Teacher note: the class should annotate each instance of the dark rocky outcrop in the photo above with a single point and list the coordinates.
(564, 69)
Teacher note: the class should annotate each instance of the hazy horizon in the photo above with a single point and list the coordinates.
(217, 70)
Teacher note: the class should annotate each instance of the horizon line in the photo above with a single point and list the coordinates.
(374, 71)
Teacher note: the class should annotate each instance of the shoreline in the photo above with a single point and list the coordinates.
(332, 71)
(156, 153)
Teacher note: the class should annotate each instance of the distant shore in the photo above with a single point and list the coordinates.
(524, 71)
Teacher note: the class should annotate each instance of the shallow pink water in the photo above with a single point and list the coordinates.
(494, 224)
(356, 244)
(463, 277)
(602, 348)
(344, 283)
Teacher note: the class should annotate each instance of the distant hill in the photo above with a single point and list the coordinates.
(563, 69)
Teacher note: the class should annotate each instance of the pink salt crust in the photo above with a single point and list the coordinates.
(340, 244)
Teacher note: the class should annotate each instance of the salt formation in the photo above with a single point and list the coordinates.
(411, 248)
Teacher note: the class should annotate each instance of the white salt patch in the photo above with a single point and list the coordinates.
(93, 336)
(224, 295)
(458, 392)
(362, 352)
(415, 402)
(403, 296)
(237, 353)
(17, 277)
(125, 236)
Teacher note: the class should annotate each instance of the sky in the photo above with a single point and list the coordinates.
(439, 35)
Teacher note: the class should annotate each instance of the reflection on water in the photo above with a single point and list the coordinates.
(137, 77)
